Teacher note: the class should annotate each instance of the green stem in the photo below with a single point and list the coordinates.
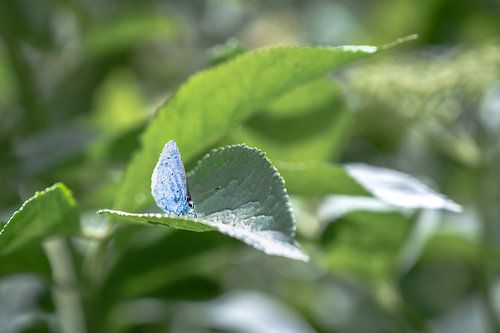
(486, 193)
(66, 297)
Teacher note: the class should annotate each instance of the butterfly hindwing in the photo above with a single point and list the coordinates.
(168, 183)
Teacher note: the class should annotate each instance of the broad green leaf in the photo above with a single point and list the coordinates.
(389, 186)
(217, 100)
(50, 212)
(237, 192)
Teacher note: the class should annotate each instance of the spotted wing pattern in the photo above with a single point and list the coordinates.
(168, 183)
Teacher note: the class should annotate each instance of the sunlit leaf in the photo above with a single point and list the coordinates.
(217, 100)
(398, 188)
(389, 186)
(239, 193)
(50, 212)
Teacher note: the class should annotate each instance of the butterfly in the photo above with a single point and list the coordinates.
(169, 186)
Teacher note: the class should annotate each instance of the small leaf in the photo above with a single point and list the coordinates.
(50, 212)
(390, 186)
(336, 206)
(217, 100)
(399, 189)
(238, 193)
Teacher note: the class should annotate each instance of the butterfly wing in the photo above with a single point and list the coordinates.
(168, 183)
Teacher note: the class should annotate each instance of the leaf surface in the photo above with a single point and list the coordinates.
(217, 100)
(49, 212)
(239, 193)
(392, 187)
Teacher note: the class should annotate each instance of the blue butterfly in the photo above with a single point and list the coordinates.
(168, 183)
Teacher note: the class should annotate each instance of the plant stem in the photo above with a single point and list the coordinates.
(66, 297)
(486, 193)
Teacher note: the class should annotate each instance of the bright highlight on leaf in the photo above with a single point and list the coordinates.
(399, 189)
(390, 187)
(48, 213)
(239, 193)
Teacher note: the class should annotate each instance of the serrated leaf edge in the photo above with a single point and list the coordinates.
(219, 150)
(60, 186)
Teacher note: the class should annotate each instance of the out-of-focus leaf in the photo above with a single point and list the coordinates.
(305, 98)
(399, 189)
(390, 186)
(8, 91)
(322, 145)
(445, 274)
(217, 100)
(138, 270)
(23, 305)
(336, 206)
(37, 153)
(28, 258)
(318, 179)
(126, 32)
(242, 312)
(349, 300)
(307, 123)
(237, 192)
(468, 315)
(119, 104)
(366, 244)
(50, 212)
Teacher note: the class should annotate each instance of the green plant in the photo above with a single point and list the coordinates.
(252, 204)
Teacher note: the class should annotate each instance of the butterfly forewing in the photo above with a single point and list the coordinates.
(168, 183)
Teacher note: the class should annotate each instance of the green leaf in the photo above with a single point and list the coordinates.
(308, 123)
(306, 98)
(217, 100)
(237, 192)
(389, 186)
(399, 189)
(319, 179)
(50, 212)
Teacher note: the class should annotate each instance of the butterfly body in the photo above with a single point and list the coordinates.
(168, 183)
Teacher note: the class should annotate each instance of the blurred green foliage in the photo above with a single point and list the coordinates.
(80, 82)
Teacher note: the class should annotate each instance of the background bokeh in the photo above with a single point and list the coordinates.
(79, 80)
